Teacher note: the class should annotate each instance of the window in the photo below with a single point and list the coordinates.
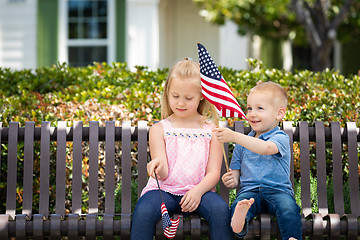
(88, 32)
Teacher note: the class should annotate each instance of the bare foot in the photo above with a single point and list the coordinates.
(238, 219)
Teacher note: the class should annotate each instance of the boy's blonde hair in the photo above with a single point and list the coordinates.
(279, 94)
(184, 69)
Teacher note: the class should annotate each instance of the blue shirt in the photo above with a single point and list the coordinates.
(272, 171)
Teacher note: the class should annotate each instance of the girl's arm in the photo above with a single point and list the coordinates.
(157, 152)
(253, 144)
(192, 198)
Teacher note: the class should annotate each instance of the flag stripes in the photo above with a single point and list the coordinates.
(169, 225)
(215, 88)
(222, 102)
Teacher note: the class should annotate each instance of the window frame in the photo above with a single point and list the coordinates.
(65, 42)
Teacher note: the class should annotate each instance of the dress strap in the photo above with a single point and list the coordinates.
(166, 124)
(209, 126)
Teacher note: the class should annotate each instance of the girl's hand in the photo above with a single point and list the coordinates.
(229, 180)
(190, 201)
(223, 134)
(154, 165)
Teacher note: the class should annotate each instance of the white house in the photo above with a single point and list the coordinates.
(153, 33)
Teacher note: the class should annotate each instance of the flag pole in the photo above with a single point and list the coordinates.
(158, 186)
(215, 89)
(223, 149)
(225, 158)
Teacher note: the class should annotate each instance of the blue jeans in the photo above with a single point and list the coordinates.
(147, 212)
(278, 203)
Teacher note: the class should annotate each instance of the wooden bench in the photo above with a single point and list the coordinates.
(41, 211)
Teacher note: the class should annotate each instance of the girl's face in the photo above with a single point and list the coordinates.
(184, 96)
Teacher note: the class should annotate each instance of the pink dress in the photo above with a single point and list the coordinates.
(187, 151)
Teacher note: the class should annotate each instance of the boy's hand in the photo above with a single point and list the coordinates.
(224, 134)
(229, 180)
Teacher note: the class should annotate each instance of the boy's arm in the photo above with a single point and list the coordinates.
(253, 144)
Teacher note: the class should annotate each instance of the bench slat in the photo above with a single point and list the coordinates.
(20, 226)
(1, 129)
(4, 218)
(180, 230)
(12, 169)
(353, 168)
(45, 225)
(238, 127)
(90, 227)
(55, 226)
(265, 226)
(159, 233)
(305, 168)
(195, 227)
(60, 168)
(93, 166)
(321, 167)
(28, 168)
(288, 129)
(38, 225)
(73, 222)
(44, 168)
(126, 180)
(110, 167)
(337, 168)
(108, 227)
(142, 155)
(77, 168)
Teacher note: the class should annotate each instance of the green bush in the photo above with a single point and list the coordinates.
(113, 92)
(61, 92)
(100, 92)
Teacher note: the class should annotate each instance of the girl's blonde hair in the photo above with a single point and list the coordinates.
(184, 69)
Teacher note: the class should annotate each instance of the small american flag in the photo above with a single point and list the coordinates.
(169, 225)
(214, 87)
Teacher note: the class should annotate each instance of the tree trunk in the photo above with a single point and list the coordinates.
(320, 31)
(320, 56)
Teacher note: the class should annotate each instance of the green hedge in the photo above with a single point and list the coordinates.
(61, 92)
(113, 92)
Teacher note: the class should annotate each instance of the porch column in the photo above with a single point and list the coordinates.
(142, 33)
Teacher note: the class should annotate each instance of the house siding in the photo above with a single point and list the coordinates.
(153, 33)
(18, 34)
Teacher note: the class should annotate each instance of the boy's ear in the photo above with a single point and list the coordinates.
(281, 113)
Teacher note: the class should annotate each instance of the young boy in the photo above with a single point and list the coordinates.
(261, 164)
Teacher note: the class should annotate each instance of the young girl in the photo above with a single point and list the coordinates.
(185, 157)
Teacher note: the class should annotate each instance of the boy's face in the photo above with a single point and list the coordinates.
(263, 112)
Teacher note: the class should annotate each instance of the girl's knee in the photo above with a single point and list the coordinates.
(145, 209)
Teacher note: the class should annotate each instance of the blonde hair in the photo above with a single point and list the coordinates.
(184, 69)
(280, 96)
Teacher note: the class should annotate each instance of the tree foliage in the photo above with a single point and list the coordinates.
(317, 23)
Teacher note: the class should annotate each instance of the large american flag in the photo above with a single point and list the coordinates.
(214, 87)
(169, 225)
